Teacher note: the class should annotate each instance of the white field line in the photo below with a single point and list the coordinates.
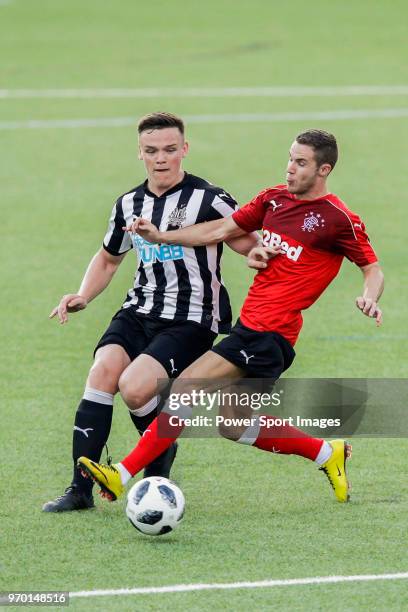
(261, 584)
(211, 92)
(339, 115)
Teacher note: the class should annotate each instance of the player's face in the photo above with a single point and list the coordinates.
(162, 152)
(302, 173)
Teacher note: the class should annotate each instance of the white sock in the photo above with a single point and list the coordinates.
(147, 408)
(100, 397)
(251, 433)
(324, 453)
(125, 476)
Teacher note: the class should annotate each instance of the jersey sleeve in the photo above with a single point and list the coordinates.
(117, 241)
(353, 242)
(223, 205)
(250, 217)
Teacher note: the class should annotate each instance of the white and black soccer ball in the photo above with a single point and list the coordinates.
(155, 505)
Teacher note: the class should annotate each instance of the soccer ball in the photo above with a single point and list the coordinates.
(155, 505)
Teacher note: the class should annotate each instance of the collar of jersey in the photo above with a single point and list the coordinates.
(169, 191)
(325, 197)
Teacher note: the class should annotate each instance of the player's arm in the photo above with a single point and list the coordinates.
(97, 277)
(245, 244)
(201, 234)
(372, 290)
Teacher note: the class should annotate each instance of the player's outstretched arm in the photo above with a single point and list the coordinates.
(97, 277)
(244, 244)
(372, 290)
(195, 235)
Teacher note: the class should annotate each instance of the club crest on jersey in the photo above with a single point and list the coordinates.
(150, 253)
(176, 218)
(271, 239)
(312, 222)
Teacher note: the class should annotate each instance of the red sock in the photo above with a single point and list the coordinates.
(157, 437)
(288, 440)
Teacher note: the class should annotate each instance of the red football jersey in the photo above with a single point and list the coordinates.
(314, 236)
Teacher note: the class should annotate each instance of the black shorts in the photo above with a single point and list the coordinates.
(259, 354)
(174, 344)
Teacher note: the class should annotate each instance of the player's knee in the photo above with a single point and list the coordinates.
(102, 376)
(133, 394)
(184, 384)
(228, 431)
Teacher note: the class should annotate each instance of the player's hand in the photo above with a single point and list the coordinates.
(259, 256)
(145, 229)
(370, 308)
(72, 302)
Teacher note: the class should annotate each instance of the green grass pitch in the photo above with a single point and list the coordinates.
(250, 516)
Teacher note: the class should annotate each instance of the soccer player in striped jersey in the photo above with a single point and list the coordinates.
(172, 314)
(306, 234)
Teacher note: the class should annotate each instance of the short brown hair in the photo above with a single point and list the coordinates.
(159, 121)
(324, 145)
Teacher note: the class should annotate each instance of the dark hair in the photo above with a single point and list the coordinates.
(159, 121)
(324, 145)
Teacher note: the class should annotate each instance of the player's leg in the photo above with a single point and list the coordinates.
(271, 355)
(258, 354)
(92, 424)
(162, 433)
(161, 466)
(330, 456)
(138, 383)
(134, 333)
(173, 348)
(93, 418)
(138, 386)
(160, 341)
(266, 356)
(122, 341)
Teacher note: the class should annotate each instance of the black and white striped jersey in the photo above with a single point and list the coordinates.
(175, 282)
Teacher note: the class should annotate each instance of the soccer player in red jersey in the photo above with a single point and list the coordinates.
(307, 232)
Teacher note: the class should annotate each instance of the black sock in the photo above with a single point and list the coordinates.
(91, 431)
(160, 466)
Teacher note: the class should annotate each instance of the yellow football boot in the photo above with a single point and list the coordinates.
(107, 477)
(335, 469)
